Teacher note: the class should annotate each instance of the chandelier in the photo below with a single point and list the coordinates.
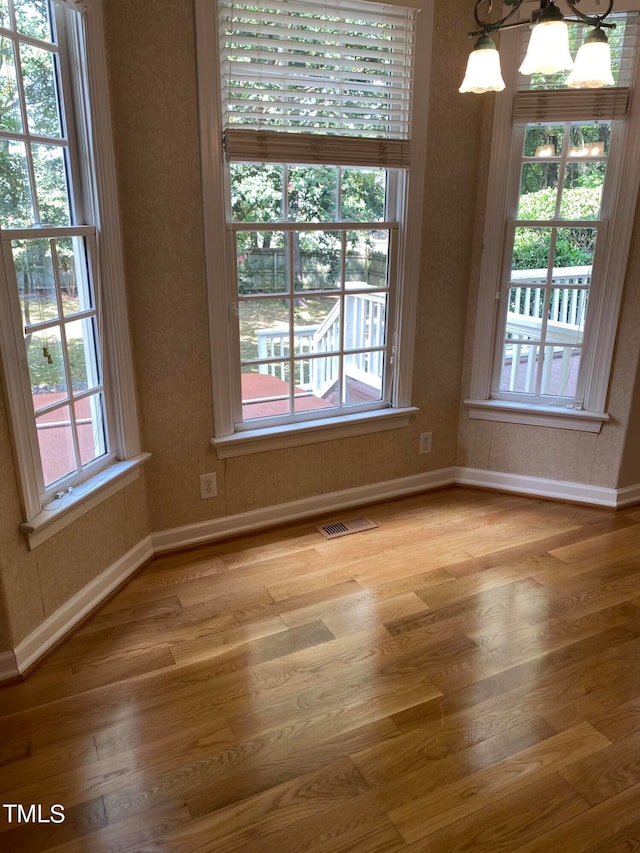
(548, 51)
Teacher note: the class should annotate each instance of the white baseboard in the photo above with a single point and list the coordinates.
(8, 667)
(60, 623)
(218, 528)
(628, 496)
(562, 490)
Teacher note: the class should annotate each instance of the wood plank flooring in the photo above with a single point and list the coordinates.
(465, 677)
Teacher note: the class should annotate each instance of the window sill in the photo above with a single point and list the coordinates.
(311, 432)
(61, 512)
(546, 416)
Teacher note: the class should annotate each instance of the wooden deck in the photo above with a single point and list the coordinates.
(463, 678)
(58, 457)
(265, 396)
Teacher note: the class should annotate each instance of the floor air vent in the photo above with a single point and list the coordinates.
(344, 528)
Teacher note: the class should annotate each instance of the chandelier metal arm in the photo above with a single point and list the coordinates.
(484, 27)
(591, 20)
(493, 26)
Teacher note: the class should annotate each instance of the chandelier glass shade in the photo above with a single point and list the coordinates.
(548, 51)
(483, 69)
(592, 68)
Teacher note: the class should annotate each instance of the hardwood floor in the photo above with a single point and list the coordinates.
(465, 677)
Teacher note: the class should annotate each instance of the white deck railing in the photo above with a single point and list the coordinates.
(565, 324)
(364, 329)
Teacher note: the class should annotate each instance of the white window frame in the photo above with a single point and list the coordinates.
(623, 180)
(86, 99)
(220, 261)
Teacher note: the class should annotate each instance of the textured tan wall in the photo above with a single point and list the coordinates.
(154, 99)
(630, 465)
(20, 601)
(34, 584)
(626, 391)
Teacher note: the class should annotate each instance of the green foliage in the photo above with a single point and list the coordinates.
(51, 376)
(256, 192)
(259, 195)
(574, 246)
(38, 72)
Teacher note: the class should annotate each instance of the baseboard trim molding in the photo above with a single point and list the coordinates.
(62, 622)
(561, 490)
(8, 668)
(220, 528)
(628, 496)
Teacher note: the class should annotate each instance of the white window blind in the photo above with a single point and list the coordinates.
(315, 68)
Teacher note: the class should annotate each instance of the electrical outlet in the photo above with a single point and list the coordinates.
(425, 442)
(208, 486)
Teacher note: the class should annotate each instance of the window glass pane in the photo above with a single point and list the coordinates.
(83, 358)
(265, 390)
(317, 325)
(55, 438)
(32, 18)
(365, 320)
(531, 248)
(10, 118)
(51, 184)
(321, 392)
(317, 260)
(367, 260)
(73, 275)
(538, 190)
(38, 74)
(543, 140)
(560, 371)
(519, 363)
(563, 333)
(264, 329)
(262, 262)
(312, 193)
(256, 192)
(582, 191)
(89, 414)
(4, 14)
(589, 140)
(567, 313)
(526, 300)
(36, 282)
(363, 377)
(363, 194)
(574, 253)
(16, 207)
(46, 367)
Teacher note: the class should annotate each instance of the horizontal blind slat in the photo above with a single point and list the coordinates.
(367, 12)
(268, 82)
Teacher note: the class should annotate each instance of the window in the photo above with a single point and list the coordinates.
(70, 424)
(308, 197)
(553, 268)
(313, 304)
